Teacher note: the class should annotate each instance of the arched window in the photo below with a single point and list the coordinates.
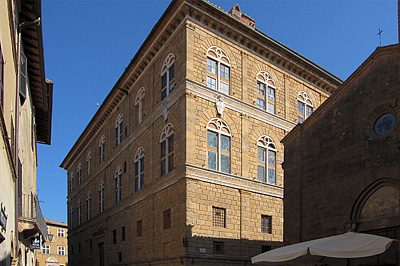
(139, 103)
(139, 169)
(266, 153)
(79, 208)
(119, 129)
(218, 145)
(101, 196)
(266, 92)
(88, 158)
(71, 182)
(218, 70)
(89, 205)
(71, 217)
(167, 76)
(102, 149)
(118, 184)
(167, 149)
(79, 173)
(304, 106)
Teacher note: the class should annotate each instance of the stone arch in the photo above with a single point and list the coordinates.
(210, 42)
(377, 206)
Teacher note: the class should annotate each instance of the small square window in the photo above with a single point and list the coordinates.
(219, 218)
(218, 247)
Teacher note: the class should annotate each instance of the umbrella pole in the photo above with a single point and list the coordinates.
(349, 262)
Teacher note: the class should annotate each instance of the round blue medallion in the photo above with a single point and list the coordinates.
(384, 124)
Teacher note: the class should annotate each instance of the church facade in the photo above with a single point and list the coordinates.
(181, 164)
(342, 165)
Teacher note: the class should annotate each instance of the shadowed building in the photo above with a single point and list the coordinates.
(342, 165)
(181, 164)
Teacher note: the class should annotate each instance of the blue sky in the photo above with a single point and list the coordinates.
(89, 43)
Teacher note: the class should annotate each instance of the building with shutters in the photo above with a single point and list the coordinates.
(181, 164)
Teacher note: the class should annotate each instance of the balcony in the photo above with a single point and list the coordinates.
(30, 218)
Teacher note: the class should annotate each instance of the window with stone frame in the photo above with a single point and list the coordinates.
(218, 70)
(61, 250)
(71, 182)
(101, 196)
(71, 217)
(88, 162)
(167, 149)
(266, 92)
(118, 184)
(167, 219)
(45, 249)
(89, 206)
(266, 160)
(266, 224)
(304, 106)
(139, 102)
(168, 76)
(139, 169)
(102, 148)
(60, 232)
(79, 173)
(219, 217)
(79, 212)
(218, 145)
(119, 129)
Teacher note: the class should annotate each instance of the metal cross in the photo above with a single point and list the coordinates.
(380, 36)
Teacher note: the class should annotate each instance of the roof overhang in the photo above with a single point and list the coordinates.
(40, 88)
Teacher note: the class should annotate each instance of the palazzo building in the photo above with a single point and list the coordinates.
(342, 165)
(181, 164)
(54, 252)
(25, 120)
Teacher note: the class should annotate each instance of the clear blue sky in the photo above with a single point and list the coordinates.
(89, 43)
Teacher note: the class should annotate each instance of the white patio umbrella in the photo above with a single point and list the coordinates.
(349, 245)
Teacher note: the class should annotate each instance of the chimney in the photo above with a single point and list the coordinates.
(237, 13)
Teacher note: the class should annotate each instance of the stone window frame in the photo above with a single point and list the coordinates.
(118, 184)
(139, 228)
(219, 217)
(101, 196)
(79, 173)
(217, 60)
(265, 99)
(266, 224)
(89, 205)
(139, 103)
(79, 212)
(88, 162)
(267, 147)
(139, 169)
(167, 76)
(61, 250)
(218, 247)
(305, 106)
(71, 216)
(167, 149)
(102, 148)
(71, 182)
(60, 232)
(45, 249)
(220, 129)
(119, 129)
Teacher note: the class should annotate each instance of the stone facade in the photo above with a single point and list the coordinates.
(342, 165)
(54, 251)
(197, 203)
